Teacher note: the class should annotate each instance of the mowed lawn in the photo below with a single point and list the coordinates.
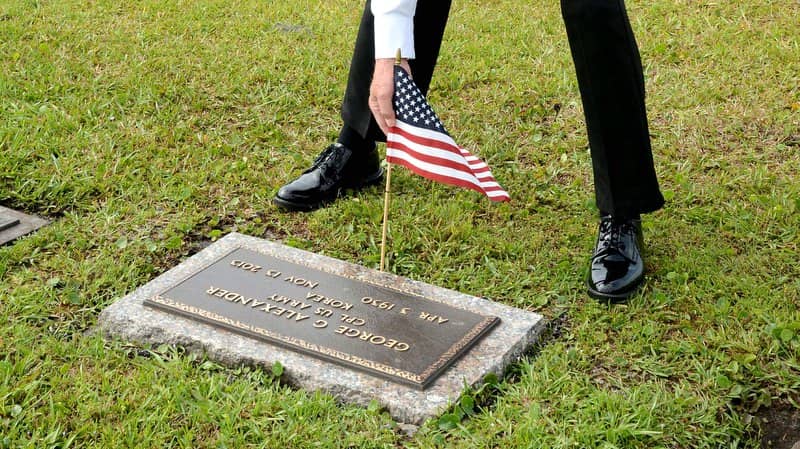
(145, 130)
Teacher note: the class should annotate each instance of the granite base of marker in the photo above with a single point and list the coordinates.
(15, 224)
(128, 319)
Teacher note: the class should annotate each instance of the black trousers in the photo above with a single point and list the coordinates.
(610, 78)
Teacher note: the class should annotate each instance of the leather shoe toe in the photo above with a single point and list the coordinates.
(335, 169)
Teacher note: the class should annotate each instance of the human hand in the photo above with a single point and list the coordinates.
(381, 91)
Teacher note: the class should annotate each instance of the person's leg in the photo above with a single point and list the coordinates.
(429, 25)
(352, 162)
(611, 83)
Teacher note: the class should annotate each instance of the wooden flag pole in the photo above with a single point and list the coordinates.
(385, 213)
(386, 195)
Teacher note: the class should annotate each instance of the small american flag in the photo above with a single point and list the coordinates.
(419, 142)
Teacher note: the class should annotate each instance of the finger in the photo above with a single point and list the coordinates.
(374, 106)
(407, 67)
(387, 110)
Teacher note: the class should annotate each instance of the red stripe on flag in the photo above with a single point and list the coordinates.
(466, 167)
(462, 167)
(445, 164)
(448, 180)
(425, 141)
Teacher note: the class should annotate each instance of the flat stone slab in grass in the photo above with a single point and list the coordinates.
(14, 224)
(353, 332)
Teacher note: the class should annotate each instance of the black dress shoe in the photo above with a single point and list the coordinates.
(617, 268)
(335, 169)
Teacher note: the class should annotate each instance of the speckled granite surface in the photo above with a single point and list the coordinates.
(128, 319)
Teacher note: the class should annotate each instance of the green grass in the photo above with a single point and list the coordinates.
(146, 129)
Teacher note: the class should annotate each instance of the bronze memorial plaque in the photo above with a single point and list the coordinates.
(395, 334)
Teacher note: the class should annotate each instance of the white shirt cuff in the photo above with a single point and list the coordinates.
(394, 29)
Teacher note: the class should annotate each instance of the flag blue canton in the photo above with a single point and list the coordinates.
(410, 105)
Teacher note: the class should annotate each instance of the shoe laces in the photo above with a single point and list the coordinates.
(322, 160)
(611, 241)
(325, 155)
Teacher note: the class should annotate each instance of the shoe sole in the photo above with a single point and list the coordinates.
(306, 207)
(297, 207)
(613, 298)
(608, 298)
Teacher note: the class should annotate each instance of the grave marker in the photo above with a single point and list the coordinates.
(356, 333)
